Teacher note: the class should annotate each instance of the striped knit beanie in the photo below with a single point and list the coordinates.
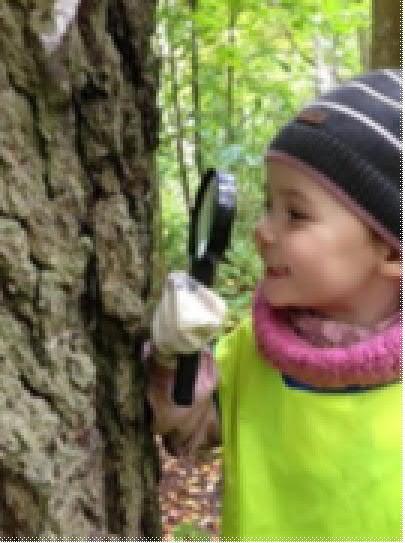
(350, 141)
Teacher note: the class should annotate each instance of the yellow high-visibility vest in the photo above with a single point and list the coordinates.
(302, 464)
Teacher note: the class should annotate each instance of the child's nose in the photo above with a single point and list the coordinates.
(264, 234)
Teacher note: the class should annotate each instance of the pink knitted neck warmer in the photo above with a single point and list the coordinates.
(373, 359)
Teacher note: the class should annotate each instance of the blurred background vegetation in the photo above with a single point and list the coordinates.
(233, 72)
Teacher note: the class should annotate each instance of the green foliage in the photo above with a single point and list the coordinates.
(174, 230)
(187, 531)
(281, 49)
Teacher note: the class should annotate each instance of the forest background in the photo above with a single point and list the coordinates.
(233, 72)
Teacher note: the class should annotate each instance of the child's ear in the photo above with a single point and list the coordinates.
(390, 263)
(389, 259)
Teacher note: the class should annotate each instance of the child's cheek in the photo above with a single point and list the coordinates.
(301, 251)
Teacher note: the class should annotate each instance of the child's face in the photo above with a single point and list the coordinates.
(316, 253)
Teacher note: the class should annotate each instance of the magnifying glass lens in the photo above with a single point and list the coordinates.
(205, 219)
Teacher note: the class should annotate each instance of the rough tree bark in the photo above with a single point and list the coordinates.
(386, 35)
(78, 130)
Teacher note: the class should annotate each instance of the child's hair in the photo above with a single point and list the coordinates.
(349, 140)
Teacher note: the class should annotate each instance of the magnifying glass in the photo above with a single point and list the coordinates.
(209, 236)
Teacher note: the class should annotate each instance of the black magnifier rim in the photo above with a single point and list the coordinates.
(223, 213)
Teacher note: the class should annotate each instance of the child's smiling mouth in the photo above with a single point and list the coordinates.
(277, 271)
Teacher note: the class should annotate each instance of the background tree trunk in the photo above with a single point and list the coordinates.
(230, 128)
(195, 89)
(78, 130)
(386, 38)
(171, 54)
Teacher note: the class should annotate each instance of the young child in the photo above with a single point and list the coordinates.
(309, 385)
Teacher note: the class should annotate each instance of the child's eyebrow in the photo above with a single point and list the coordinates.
(291, 192)
(295, 193)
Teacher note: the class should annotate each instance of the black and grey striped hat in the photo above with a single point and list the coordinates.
(350, 140)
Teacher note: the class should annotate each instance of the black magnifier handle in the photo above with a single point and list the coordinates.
(203, 269)
(186, 375)
(187, 364)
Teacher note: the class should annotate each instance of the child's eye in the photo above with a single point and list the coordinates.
(295, 215)
(268, 205)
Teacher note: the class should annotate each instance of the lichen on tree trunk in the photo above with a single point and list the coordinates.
(78, 131)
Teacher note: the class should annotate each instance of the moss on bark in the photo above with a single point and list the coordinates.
(78, 131)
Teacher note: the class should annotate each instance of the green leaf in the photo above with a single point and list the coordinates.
(188, 531)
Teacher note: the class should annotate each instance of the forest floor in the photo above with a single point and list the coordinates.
(190, 495)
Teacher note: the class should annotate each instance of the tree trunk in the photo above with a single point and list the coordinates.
(78, 129)
(386, 40)
(195, 89)
(177, 114)
(363, 39)
(231, 74)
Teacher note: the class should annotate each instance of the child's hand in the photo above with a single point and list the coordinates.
(187, 316)
(186, 429)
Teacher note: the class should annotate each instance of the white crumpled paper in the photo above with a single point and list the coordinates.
(187, 317)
